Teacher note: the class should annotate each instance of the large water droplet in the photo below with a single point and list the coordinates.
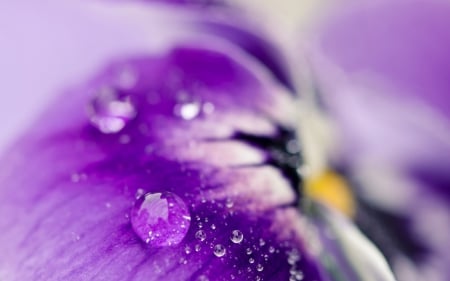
(219, 250)
(236, 236)
(160, 219)
(111, 110)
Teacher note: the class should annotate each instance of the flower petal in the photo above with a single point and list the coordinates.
(70, 204)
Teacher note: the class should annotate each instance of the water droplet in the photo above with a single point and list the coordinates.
(197, 248)
(187, 250)
(124, 139)
(139, 193)
(75, 177)
(296, 275)
(202, 278)
(160, 219)
(111, 110)
(236, 236)
(213, 226)
(188, 110)
(293, 257)
(251, 260)
(262, 242)
(229, 203)
(248, 251)
(208, 108)
(200, 235)
(271, 249)
(259, 267)
(219, 250)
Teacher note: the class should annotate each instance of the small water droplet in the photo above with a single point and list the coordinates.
(188, 110)
(187, 250)
(208, 108)
(296, 275)
(111, 110)
(160, 219)
(262, 242)
(75, 177)
(293, 257)
(259, 267)
(236, 236)
(219, 250)
(202, 278)
(139, 193)
(124, 139)
(229, 203)
(197, 248)
(251, 260)
(271, 249)
(200, 235)
(248, 251)
(213, 226)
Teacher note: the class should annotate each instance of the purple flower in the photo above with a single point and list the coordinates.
(173, 156)
(383, 70)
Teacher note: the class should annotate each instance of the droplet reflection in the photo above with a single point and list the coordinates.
(110, 110)
(160, 219)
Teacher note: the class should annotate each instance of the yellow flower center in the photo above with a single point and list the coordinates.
(333, 190)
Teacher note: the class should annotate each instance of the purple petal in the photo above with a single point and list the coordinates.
(391, 93)
(68, 186)
(382, 71)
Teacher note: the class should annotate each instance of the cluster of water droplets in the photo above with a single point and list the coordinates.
(163, 218)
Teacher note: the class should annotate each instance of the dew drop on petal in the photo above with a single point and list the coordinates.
(219, 250)
(111, 110)
(236, 236)
(208, 108)
(160, 219)
(251, 260)
(200, 235)
(188, 110)
(262, 242)
(202, 278)
(248, 251)
(259, 268)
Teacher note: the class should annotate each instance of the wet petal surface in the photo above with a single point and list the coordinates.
(71, 203)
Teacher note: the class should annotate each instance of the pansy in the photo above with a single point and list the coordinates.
(382, 74)
(170, 154)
